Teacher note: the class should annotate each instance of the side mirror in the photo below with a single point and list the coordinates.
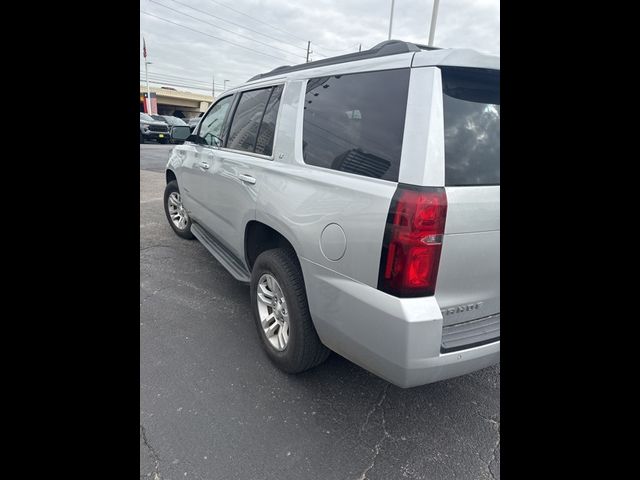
(180, 132)
(192, 138)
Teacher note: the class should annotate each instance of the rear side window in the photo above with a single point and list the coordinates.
(471, 126)
(264, 142)
(253, 125)
(355, 123)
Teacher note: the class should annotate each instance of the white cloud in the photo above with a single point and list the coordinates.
(333, 26)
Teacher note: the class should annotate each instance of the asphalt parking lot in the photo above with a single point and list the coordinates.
(213, 407)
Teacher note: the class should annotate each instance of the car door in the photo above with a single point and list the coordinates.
(233, 178)
(198, 157)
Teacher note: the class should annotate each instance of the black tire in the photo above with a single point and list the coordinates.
(304, 350)
(185, 232)
(163, 141)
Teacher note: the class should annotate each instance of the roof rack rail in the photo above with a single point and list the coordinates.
(427, 47)
(389, 47)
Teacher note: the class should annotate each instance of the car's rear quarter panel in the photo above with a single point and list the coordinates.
(301, 201)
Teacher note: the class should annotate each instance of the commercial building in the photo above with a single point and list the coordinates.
(169, 101)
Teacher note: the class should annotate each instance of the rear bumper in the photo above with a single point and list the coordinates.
(398, 339)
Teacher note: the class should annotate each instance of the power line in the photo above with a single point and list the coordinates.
(338, 50)
(212, 36)
(180, 77)
(178, 84)
(277, 28)
(164, 81)
(158, 77)
(224, 29)
(185, 82)
(236, 24)
(192, 80)
(348, 50)
(259, 21)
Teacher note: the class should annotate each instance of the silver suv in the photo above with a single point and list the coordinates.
(359, 196)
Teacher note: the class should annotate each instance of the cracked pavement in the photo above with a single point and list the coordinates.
(213, 407)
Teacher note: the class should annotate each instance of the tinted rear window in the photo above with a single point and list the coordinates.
(355, 123)
(471, 126)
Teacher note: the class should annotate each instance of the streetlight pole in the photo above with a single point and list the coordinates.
(146, 73)
(225, 84)
(434, 17)
(309, 51)
(391, 18)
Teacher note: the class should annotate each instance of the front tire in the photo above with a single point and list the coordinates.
(281, 312)
(177, 216)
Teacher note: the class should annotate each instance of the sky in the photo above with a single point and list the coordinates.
(192, 42)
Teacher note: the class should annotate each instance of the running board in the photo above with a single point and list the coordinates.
(221, 253)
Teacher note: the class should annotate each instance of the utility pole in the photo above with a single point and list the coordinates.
(309, 51)
(434, 17)
(213, 86)
(360, 48)
(225, 84)
(391, 18)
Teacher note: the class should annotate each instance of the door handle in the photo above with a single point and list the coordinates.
(247, 179)
(204, 165)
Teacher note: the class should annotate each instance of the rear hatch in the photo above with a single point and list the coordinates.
(468, 285)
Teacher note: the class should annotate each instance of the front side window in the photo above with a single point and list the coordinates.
(471, 100)
(355, 123)
(211, 126)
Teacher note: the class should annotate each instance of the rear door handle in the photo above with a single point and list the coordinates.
(247, 179)
(204, 165)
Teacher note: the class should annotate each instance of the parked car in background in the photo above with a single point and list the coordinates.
(359, 197)
(159, 118)
(171, 121)
(151, 129)
(193, 122)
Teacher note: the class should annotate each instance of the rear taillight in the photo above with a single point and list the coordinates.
(413, 241)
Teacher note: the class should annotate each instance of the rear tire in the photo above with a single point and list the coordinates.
(176, 215)
(303, 349)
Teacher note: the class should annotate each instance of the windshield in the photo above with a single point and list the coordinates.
(145, 117)
(471, 126)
